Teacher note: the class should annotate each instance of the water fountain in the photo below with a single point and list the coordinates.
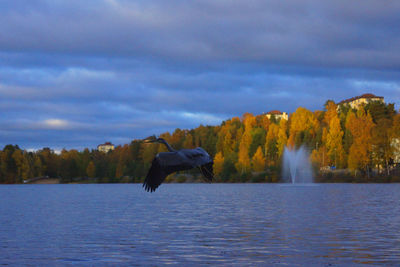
(296, 166)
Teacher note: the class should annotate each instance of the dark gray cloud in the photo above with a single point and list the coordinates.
(77, 73)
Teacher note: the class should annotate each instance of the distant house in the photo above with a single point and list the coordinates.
(277, 114)
(107, 146)
(356, 102)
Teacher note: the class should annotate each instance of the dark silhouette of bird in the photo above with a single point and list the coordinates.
(172, 161)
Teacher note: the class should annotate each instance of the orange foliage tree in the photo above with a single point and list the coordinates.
(360, 126)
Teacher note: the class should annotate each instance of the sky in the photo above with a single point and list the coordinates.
(75, 74)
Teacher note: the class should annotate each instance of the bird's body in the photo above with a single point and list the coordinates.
(172, 161)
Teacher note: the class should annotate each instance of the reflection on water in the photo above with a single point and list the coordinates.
(234, 224)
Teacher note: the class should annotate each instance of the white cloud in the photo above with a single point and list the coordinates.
(85, 74)
(202, 117)
(56, 123)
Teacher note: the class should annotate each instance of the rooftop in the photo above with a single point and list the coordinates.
(358, 97)
(106, 144)
(275, 112)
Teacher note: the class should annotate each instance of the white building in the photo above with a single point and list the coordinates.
(356, 102)
(107, 146)
(278, 115)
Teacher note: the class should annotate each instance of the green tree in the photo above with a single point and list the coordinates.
(271, 144)
(382, 149)
(8, 164)
(22, 165)
(257, 139)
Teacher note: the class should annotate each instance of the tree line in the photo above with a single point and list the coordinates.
(246, 149)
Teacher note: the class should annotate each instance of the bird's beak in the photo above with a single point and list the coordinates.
(150, 139)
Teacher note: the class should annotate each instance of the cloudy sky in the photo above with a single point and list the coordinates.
(75, 74)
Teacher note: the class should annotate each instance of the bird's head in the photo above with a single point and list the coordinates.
(152, 139)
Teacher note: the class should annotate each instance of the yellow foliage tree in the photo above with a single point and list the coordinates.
(258, 160)
(218, 164)
(243, 163)
(304, 121)
(228, 143)
(331, 112)
(227, 136)
(282, 137)
(334, 141)
(249, 121)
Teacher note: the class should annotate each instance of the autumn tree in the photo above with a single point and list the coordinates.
(334, 141)
(382, 149)
(243, 163)
(189, 142)
(303, 127)
(206, 137)
(8, 165)
(395, 136)
(331, 112)
(257, 140)
(360, 126)
(262, 121)
(177, 138)
(218, 164)
(84, 161)
(22, 165)
(70, 162)
(282, 137)
(380, 110)
(91, 170)
(258, 160)
(37, 166)
(51, 162)
(271, 144)
(148, 152)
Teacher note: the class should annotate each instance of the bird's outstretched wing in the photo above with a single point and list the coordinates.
(163, 165)
(166, 163)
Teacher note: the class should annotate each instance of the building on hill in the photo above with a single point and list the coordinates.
(277, 114)
(107, 146)
(356, 102)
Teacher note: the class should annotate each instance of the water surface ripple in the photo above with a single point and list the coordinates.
(200, 224)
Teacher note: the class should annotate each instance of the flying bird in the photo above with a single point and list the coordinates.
(172, 161)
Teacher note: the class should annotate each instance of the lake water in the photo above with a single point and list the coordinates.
(200, 224)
